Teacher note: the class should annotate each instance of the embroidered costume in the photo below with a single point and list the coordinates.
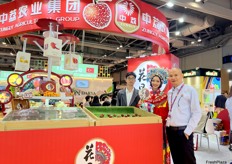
(157, 104)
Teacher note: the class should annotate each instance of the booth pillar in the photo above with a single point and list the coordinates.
(224, 80)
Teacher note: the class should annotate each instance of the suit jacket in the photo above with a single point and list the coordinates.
(122, 100)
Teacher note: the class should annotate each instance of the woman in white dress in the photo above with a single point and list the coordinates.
(229, 108)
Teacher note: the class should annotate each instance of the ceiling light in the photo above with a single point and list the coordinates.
(117, 48)
(192, 42)
(177, 33)
(11, 54)
(199, 39)
(3, 42)
(181, 20)
(120, 46)
(128, 57)
(197, 0)
(170, 4)
(229, 70)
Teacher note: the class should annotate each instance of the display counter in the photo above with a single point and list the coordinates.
(46, 119)
(112, 115)
(136, 138)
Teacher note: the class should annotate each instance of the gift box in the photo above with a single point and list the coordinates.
(22, 61)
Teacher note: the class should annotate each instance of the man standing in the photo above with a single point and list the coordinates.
(183, 117)
(130, 95)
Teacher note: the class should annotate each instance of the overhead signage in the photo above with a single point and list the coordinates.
(135, 18)
(211, 73)
(191, 73)
(201, 72)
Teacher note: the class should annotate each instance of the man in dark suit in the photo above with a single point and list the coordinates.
(128, 96)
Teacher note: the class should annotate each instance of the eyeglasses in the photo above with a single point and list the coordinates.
(130, 78)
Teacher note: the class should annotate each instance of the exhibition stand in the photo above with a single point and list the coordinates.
(64, 134)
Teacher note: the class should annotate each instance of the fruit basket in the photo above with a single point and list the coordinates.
(121, 116)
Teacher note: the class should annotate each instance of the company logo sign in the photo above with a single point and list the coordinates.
(192, 73)
(127, 16)
(213, 73)
(95, 151)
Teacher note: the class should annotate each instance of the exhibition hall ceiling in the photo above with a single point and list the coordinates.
(194, 28)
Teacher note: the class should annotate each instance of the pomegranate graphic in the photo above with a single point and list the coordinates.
(53, 45)
(97, 15)
(75, 60)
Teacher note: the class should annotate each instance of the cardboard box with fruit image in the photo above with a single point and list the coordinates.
(52, 47)
(71, 61)
(121, 115)
(22, 61)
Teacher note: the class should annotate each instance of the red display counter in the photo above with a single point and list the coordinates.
(124, 144)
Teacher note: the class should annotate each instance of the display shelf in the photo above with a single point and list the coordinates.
(47, 119)
(45, 124)
(145, 117)
(43, 97)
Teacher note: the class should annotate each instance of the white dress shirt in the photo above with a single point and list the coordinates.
(186, 109)
(229, 108)
(129, 96)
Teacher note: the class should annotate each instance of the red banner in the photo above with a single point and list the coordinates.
(135, 18)
(141, 67)
(128, 144)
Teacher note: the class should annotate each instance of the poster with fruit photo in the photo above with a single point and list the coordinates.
(22, 61)
(142, 67)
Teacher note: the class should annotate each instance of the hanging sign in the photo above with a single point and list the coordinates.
(52, 47)
(71, 61)
(22, 61)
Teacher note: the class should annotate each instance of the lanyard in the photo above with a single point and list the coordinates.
(172, 102)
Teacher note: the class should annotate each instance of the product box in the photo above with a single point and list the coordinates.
(52, 47)
(112, 115)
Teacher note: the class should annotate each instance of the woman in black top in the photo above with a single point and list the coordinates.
(95, 101)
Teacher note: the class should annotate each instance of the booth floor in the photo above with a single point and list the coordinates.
(205, 155)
